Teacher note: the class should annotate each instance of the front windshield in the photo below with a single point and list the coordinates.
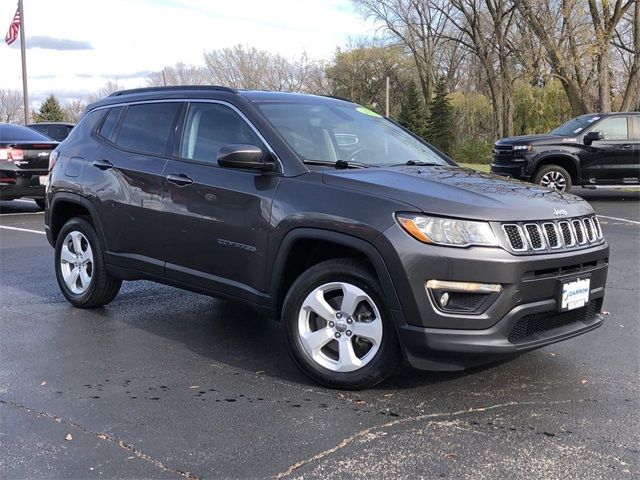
(331, 132)
(575, 126)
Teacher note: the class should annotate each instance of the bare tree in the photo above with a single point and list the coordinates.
(107, 89)
(178, 74)
(73, 109)
(11, 107)
(250, 68)
(627, 43)
(419, 26)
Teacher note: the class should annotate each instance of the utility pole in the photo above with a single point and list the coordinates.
(23, 51)
(386, 110)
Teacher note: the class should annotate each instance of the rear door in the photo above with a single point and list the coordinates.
(610, 160)
(216, 221)
(125, 181)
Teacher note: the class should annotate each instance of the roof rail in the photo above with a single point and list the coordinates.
(177, 87)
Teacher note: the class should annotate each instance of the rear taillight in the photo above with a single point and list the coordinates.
(11, 154)
(53, 158)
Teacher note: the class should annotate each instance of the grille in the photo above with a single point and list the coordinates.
(541, 322)
(534, 235)
(577, 229)
(596, 224)
(567, 234)
(589, 229)
(551, 232)
(502, 154)
(538, 237)
(514, 235)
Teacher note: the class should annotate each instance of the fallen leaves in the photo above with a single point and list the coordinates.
(69, 437)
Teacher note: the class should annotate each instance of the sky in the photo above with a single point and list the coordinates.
(75, 46)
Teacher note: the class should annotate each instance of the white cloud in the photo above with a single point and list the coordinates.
(135, 36)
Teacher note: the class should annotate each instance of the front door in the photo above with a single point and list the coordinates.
(216, 220)
(610, 160)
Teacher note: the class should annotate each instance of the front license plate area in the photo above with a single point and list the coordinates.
(573, 293)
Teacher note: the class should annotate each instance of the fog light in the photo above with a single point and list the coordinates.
(444, 299)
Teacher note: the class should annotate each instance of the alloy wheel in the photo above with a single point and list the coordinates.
(340, 327)
(76, 262)
(555, 180)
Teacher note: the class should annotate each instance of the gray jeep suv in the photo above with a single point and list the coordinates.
(367, 243)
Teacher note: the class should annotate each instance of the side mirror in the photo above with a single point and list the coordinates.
(591, 137)
(244, 156)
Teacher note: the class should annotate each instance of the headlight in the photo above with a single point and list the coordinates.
(447, 231)
(521, 148)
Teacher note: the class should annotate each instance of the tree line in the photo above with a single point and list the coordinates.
(461, 72)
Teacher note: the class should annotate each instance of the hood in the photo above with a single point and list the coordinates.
(460, 193)
(524, 139)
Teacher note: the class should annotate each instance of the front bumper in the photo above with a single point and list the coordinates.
(513, 170)
(443, 340)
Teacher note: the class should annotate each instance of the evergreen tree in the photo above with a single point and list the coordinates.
(50, 111)
(439, 131)
(413, 114)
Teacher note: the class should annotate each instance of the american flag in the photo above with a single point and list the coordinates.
(14, 28)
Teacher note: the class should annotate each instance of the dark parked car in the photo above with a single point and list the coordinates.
(24, 163)
(55, 130)
(366, 242)
(593, 149)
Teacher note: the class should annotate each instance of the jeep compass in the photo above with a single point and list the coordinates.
(368, 244)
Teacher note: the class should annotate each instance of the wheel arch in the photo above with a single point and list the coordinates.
(302, 248)
(63, 207)
(568, 162)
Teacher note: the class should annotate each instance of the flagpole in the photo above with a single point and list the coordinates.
(25, 94)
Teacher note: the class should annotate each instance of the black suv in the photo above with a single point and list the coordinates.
(593, 149)
(365, 241)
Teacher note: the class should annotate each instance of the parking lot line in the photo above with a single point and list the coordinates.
(620, 219)
(22, 230)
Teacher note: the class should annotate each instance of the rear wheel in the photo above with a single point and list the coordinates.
(40, 202)
(338, 328)
(80, 268)
(554, 177)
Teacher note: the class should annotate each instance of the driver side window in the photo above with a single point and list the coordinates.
(614, 128)
(210, 126)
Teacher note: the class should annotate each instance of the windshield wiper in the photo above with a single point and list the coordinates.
(415, 163)
(339, 164)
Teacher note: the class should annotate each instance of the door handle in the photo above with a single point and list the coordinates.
(103, 164)
(626, 146)
(180, 179)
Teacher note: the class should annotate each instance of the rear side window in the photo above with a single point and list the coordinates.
(106, 130)
(614, 128)
(148, 127)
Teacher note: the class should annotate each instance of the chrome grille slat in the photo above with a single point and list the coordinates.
(534, 235)
(551, 235)
(578, 230)
(589, 229)
(567, 234)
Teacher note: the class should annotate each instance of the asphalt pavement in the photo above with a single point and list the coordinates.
(164, 383)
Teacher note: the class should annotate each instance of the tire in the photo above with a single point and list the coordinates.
(553, 176)
(40, 202)
(337, 357)
(95, 287)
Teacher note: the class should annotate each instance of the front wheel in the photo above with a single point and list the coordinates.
(554, 177)
(337, 326)
(80, 268)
